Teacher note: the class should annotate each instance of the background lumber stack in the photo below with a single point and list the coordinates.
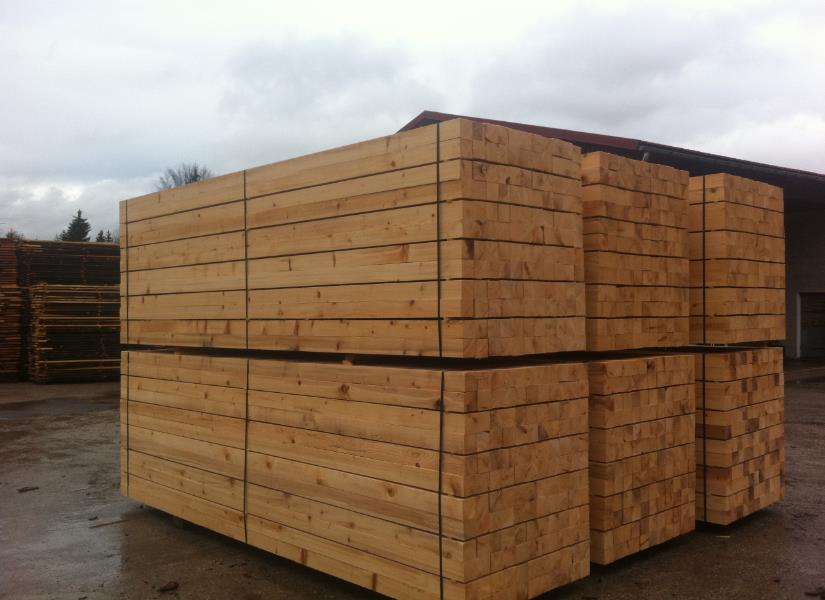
(74, 333)
(737, 260)
(642, 453)
(636, 253)
(342, 466)
(12, 301)
(11, 332)
(67, 263)
(8, 261)
(340, 251)
(740, 449)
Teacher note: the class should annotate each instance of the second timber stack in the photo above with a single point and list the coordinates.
(642, 408)
(636, 253)
(642, 444)
(431, 477)
(737, 258)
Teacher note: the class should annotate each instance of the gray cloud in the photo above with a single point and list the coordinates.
(99, 99)
(285, 97)
(667, 75)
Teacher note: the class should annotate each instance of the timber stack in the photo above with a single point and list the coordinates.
(354, 469)
(636, 253)
(67, 263)
(56, 315)
(415, 460)
(642, 408)
(740, 434)
(642, 453)
(737, 259)
(11, 332)
(8, 261)
(470, 248)
(11, 314)
(372, 361)
(74, 333)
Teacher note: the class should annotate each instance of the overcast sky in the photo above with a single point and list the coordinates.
(99, 97)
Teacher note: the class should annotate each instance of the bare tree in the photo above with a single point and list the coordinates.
(13, 234)
(181, 175)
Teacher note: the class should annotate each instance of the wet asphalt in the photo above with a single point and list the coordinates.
(74, 537)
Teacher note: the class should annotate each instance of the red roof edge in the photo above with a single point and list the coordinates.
(428, 117)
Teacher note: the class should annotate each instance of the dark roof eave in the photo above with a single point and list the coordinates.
(726, 161)
(611, 142)
(581, 137)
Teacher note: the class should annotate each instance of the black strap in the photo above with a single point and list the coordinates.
(704, 354)
(246, 455)
(440, 355)
(126, 298)
(128, 445)
(245, 266)
(246, 342)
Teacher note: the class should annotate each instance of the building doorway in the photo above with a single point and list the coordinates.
(812, 324)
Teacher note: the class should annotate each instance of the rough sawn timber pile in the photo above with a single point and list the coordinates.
(642, 453)
(336, 466)
(636, 253)
(740, 432)
(363, 249)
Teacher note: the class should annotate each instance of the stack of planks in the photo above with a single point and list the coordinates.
(457, 240)
(73, 333)
(405, 473)
(642, 445)
(737, 260)
(352, 469)
(11, 332)
(393, 460)
(67, 263)
(740, 449)
(12, 302)
(8, 261)
(636, 253)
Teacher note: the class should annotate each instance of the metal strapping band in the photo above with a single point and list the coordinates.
(245, 265)
(126, 297)
(440, 355)
(246, 454)
(128, 452)
(704, 370)
(246, 342)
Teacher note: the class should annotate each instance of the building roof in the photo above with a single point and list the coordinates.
(803, 189)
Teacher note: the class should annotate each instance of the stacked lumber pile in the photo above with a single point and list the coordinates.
(11, 332)
(459, 240)
(353, 470)
(321, 402)
(636, 253)
(59, 323)
(8, 262)
(67, 263)
(740, 449)
(74, 333)
(12, 301)
(737, 260)
(642, 445)
(402, 474)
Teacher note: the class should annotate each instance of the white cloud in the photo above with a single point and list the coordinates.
(100, 98)
(41, 211)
